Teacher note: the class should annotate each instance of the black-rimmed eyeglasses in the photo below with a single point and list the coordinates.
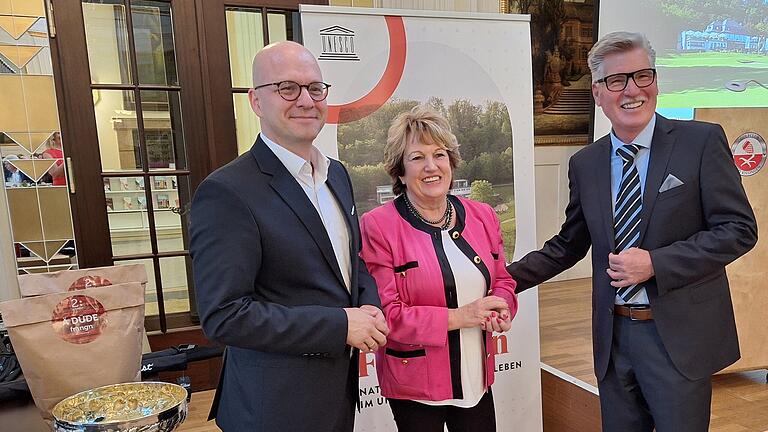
(290, 90)
(618, 82)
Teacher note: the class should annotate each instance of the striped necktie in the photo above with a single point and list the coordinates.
(626, 214)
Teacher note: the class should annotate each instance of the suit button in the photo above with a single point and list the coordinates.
(476, 259)
(455, 235)
(490, 291)
(405, 362)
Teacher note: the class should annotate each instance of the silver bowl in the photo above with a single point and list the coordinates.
(126, 407)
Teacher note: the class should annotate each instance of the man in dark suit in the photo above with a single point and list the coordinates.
(275, 242)
(662, 206)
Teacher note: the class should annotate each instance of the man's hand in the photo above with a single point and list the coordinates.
(374, 312)
(629, 267)
(366, 328)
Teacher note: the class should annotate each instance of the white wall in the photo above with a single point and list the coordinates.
(551, 171)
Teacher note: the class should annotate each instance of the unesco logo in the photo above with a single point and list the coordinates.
(338, 44)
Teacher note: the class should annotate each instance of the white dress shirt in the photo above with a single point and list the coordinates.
(311, 176)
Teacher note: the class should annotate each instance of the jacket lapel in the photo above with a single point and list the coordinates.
(339, 186)
(288, 190)
(661, 148)
(604, 188)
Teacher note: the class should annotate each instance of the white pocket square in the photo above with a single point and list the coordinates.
(670, 182)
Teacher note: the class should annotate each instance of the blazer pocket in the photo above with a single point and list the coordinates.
(710, 288)
(407, 266)
(675, 191)
(278, 361)
(406, 354)
(402, 279)
(409, 373)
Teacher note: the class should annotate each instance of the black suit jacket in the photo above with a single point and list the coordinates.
(692, 232)
(268, 286)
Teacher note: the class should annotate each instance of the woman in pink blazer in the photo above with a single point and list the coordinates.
(438, 261)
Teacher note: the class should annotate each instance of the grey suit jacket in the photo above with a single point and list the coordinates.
(268, 286)
(692, 231)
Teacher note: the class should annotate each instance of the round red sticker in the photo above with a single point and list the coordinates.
(79, 319)
(749, 153)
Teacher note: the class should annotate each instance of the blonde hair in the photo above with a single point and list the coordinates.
(617, 42)
(420, 124)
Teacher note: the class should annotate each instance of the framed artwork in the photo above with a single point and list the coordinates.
(562, 33)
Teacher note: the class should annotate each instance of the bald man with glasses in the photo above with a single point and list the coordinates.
(662, 206)
(275, 242)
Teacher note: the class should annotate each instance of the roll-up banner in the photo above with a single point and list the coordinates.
(476, 70)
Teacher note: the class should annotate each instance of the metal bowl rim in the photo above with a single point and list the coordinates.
(149, 417)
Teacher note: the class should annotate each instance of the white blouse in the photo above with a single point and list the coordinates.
(470, 286)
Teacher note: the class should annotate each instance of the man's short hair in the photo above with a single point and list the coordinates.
(617, 42)
(423, 124)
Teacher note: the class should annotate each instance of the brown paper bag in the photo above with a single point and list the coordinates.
(75, 341)
(70, 280)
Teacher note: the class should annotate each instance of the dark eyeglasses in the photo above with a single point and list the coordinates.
(618, 82)
(290, 90)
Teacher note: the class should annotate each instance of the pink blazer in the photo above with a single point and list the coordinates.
(416, 287)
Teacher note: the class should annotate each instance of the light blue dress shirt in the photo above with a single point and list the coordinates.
(641, 162)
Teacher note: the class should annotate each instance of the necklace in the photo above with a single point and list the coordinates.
(444, 222)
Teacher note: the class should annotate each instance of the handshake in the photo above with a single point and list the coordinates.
(367, 329)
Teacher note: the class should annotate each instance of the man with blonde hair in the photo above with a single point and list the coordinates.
(275, 242)
(663, 208)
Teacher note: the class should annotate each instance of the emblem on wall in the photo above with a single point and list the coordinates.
(749, 152)
(338, 44)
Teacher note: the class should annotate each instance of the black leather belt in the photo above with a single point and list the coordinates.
(634, 312)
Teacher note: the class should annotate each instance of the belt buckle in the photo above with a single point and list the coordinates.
(634, 308)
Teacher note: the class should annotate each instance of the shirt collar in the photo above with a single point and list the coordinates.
(643, 139)
(295, 163)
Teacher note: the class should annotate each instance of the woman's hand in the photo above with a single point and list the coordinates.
(479, 313)
(500, 321)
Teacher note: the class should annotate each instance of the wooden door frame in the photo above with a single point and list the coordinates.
(78, 121)
(208, 121)
(206, 103)
(80, 135)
